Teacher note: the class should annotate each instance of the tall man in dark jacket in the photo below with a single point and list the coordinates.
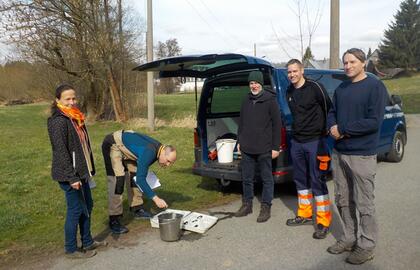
(309, 104)
(259, 143)
(355, 121)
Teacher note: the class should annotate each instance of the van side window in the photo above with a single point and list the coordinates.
(227, 99)
(329, 81)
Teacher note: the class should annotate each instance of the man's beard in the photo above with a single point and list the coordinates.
(256, 92)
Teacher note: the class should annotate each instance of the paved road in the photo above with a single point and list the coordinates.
(241, 243)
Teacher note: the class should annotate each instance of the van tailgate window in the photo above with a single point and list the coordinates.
(228, 99)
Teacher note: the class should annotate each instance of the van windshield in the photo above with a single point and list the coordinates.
(228, 99)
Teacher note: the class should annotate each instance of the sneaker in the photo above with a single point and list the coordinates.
(116, 227)
(340, 247)
(80, 254)
(142, 214)
(359, 255)
(245, 210)
(297, 221)
(265, 213)
(96, 244)
(321, 231)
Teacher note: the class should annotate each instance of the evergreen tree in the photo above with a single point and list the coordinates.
(369, 53)
(308, 55)
(401, 44)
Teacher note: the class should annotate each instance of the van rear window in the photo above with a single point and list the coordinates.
(329, 81)
(227, 99)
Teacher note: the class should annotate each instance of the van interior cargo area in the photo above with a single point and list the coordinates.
(222, 111)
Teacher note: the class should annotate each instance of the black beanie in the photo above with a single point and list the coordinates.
(256, 76)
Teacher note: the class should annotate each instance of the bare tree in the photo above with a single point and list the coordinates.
(308, 19)
(79, 37)
(167, 49)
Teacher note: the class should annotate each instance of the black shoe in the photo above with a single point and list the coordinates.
(340, 247)
(116, 227)
(297, 221)
(321, 232)
(359, 256)
(245, 210)
(265, 213)
(142, 214)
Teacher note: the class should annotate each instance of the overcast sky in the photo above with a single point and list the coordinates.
(220, 26)
(217, 26)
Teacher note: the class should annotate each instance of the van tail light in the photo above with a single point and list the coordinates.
(196, 138)
(283, 141)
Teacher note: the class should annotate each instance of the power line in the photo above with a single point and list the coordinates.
(230, 34)
(208, 24)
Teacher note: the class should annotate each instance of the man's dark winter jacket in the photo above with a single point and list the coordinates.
(259, 124)
(358, 110)
(309, 105)
(65, 141)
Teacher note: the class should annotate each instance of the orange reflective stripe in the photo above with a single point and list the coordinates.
(323, 217)
(323, 166)
(305, 210)
(309, 196)
(323, 203)
(324, 158)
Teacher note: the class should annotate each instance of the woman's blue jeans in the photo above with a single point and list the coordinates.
(76, 216)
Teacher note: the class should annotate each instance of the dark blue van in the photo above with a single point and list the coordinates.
(221, 97)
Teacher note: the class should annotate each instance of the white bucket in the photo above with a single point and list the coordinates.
(225, 150)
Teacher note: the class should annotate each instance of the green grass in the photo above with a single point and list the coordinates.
(175, 106)
(409, 90)
(32, 208)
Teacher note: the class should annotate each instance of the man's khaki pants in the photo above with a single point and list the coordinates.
(116, 166)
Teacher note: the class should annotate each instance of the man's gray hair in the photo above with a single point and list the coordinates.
(169, 148)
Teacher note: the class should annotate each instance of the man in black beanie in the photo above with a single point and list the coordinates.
(259, 143)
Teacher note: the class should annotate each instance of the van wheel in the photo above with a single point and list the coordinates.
(396, 153)
(224, 184)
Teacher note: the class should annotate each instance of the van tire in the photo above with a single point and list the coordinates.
(224, 185)
(396, 153)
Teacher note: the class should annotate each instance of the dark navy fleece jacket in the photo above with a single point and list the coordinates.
(358, 111)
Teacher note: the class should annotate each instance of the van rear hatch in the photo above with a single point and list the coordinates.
(202, 66)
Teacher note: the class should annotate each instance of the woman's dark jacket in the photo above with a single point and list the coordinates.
(65, 141)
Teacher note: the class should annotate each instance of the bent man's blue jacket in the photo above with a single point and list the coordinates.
(146, 150)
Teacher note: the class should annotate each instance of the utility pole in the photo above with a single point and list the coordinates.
(255, 49)
(149, 47)
(335, 34)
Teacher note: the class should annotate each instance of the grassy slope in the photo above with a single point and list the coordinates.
(409, 90)
(32, 208)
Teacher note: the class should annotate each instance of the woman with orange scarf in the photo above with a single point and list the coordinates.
(72, 167)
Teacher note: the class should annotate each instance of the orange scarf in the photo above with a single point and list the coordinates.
(77, 118)
(73, 113)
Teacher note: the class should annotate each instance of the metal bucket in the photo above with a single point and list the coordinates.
(170, 226)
